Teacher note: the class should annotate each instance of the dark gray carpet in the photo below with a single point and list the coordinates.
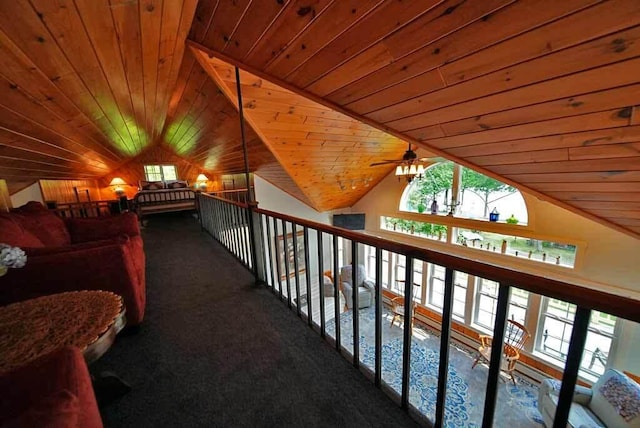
(214, 350)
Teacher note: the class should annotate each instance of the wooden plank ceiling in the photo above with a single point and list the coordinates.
(543, 93)
(91, 88)
(325, 152)
(203, 127)
(85, 85)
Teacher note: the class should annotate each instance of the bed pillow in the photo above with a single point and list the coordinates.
(151, 185)
(177, 184)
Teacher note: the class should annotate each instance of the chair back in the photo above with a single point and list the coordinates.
(516, 335)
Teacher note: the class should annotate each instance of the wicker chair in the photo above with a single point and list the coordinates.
(515, 337)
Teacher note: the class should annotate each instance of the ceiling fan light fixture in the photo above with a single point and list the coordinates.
(399, 170)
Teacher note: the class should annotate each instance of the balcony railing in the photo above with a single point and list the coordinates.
(88, 209)
(290, 256)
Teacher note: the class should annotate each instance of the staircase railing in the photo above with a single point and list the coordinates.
(283, 244)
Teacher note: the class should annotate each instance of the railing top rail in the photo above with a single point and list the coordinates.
(614, 304)
(244, 189)
(102, 201)
(239, 204)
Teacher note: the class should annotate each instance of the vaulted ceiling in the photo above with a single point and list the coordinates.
(542, 93)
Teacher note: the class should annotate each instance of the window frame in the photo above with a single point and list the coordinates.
(161, 172)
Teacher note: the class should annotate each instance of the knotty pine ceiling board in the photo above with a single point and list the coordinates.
(203, 129)
(85, 85)
(533, 92)
(322, 151)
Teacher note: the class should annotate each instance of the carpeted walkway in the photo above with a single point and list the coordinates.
(216, 351)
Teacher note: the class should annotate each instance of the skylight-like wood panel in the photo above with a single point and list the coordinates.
(554, 82)
(86, 83)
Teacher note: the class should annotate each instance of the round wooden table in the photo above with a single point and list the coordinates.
(88, 320)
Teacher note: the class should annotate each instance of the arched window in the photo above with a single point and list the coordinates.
(449, 189)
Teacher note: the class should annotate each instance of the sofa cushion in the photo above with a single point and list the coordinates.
(39, 387)
(44, 224)
(94, 229)
(616, 400)
(15, 235)
(60, 410)
(579, 416)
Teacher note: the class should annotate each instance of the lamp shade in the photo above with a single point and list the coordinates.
(117, 181)
(202, 177)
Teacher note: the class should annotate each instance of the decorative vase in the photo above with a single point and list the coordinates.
(494, 215)
(3, 270)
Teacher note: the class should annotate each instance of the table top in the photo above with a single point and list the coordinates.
(88, 320)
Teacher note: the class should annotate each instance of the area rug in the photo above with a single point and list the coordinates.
(516, 405)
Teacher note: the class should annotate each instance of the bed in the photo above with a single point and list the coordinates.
(160, 197)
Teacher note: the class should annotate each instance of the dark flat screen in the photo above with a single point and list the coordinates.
(349, 221)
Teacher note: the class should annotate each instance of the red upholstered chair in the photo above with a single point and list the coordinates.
(104, 253)
(52, 391)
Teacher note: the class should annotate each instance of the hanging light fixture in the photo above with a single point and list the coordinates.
(409, 171)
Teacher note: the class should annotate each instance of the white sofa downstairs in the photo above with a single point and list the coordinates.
(612, 402)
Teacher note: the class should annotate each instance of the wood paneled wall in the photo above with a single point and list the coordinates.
(133, 171)
(63, 190)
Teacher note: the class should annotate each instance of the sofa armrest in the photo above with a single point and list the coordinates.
(369, 285)
(98, 228)
(347, 288)
(97, 265)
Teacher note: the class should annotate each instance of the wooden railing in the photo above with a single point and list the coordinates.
(88, 209)
(234, 195)
(232, 224)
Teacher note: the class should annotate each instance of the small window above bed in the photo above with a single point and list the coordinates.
(160, 172)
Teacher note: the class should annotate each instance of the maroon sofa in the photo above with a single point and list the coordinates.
(104, 253)
(52, 391)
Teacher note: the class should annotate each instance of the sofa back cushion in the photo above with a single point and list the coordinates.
(12, 233)
(94, 229)
(616, 400)
(44, 224)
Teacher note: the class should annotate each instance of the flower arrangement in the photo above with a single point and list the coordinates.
(11, 257)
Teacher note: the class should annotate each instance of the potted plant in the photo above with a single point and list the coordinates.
(512, 220)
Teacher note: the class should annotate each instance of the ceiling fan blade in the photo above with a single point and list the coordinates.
(386, 162)
(432, 159)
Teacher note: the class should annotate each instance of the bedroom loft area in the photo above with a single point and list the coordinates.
(541, 96)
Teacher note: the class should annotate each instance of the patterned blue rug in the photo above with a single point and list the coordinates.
(516, 405)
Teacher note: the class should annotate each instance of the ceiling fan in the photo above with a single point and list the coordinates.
(409, 166)
(408, 158)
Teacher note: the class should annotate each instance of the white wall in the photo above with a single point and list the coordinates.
(31, 193)
(271, 198)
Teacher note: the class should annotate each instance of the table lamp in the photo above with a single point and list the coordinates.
(117, 184)
(201, 181)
